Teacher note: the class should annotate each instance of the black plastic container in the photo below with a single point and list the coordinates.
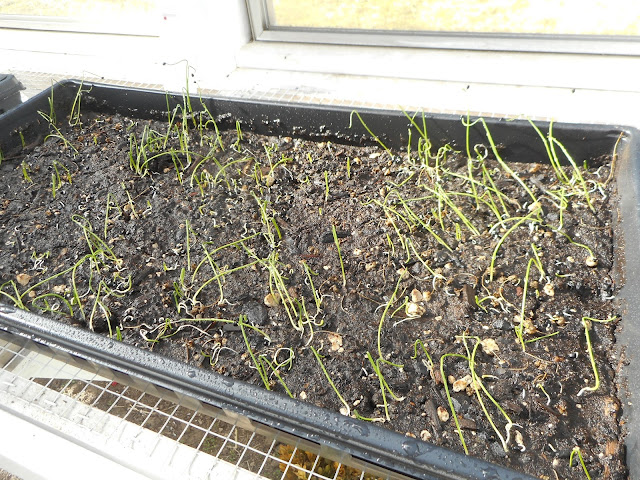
(9, 92)
(366, 441)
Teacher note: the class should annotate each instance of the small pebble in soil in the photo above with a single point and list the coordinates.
(370, 266)
(327, 237)
(520, 441)
(443, 414)
(462, 383)
(489, 346)
(255, 312)
(416, 296)
(272, 300)
(414, 309)
(497, 450)
(548, 289)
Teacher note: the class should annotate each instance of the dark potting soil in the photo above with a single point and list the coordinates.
(283, 262)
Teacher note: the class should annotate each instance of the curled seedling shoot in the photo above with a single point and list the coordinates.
(541, 387)
(219, 274)
(477, 382)
(54, 307)
(428, 362)
(435, 275)
(586, 322)
(591, 258)
(574, 452)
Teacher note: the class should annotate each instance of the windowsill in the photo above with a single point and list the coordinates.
(560, 70)
(560, 87)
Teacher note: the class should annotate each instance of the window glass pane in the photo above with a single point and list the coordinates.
(76, 8)
(597, 17)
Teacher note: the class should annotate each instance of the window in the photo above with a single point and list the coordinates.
(583, 26)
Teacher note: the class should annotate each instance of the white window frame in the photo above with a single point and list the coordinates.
(133, 27)
(262, 30)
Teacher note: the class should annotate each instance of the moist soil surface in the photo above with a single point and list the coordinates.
(401, 277)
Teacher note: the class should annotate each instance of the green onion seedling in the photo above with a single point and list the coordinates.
(574, 452)
(337, 242)
(387, 306)
(326, 186)
(25, 172)
(586, 322)
(477, 382)
(384, 386)
(375, 137)
(236, 144)
(74, 116)
(504, 165)
(450, 399)
(258, 365)
(347, 409)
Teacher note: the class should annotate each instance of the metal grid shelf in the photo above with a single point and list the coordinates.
(153, 431)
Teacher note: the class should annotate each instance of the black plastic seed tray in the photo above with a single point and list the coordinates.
(362, 440)
(9, 92)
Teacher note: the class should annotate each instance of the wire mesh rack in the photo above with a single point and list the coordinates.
(156, 431)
